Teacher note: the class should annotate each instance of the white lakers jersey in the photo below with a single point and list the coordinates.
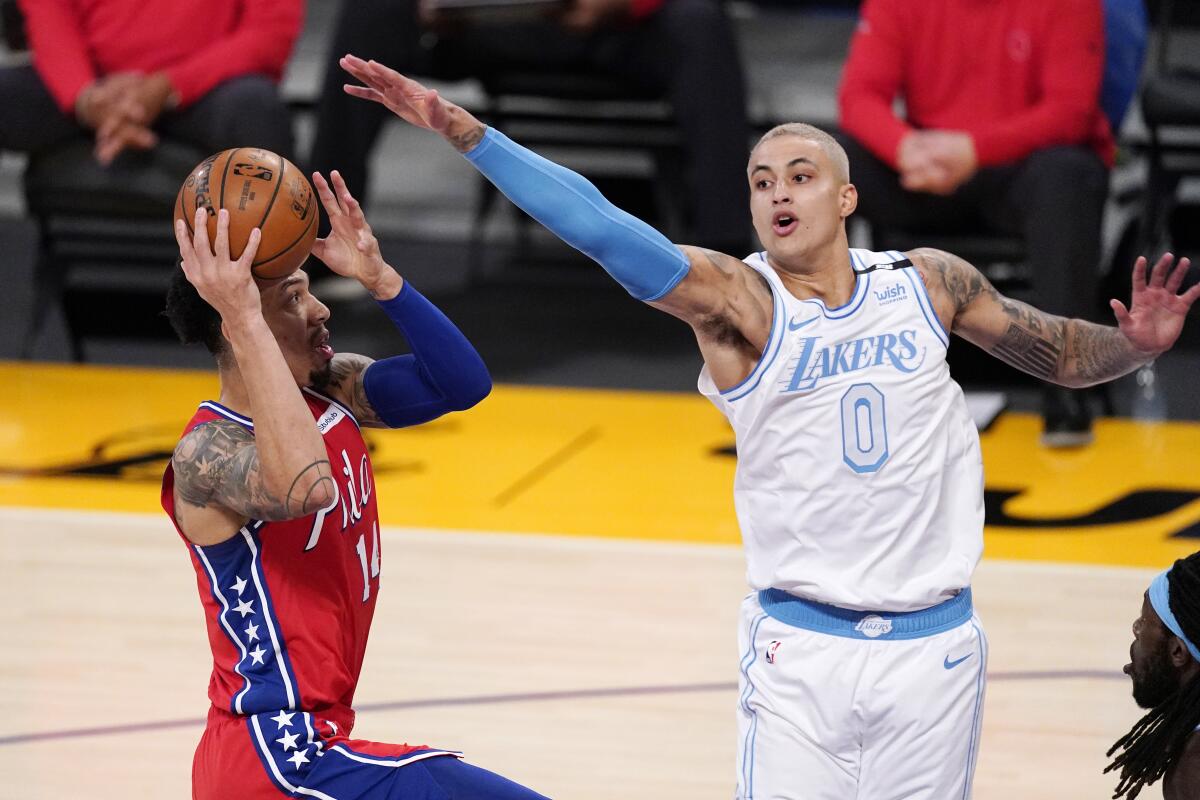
(859, 478)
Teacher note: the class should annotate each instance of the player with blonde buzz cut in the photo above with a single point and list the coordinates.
(859, 486)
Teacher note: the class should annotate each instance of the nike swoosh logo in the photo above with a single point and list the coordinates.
(792, 326)
(948, 664)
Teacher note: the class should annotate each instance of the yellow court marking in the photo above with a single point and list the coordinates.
(635, 465)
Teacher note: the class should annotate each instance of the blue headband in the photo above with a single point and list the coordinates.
(1160, 594)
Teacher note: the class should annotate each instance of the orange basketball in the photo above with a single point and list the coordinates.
(259, 189)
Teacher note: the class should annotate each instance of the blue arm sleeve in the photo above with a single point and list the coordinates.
(639, 257)
(444, 372)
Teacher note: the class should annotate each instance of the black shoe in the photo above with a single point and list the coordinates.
(1066, 418)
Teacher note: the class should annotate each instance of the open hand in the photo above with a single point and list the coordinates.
(412, 102)
(406, 98)
(350, 249)
(1156, 311)
(225, 283)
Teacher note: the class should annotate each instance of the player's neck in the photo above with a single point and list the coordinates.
(826, 276)
(233, 390)
(1180, 779)
(234, 394)
(1190, 672)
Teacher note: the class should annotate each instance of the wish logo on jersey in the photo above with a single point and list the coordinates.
(891, 294)
(815, 363)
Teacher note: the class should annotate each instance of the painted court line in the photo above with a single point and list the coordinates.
(520, 697)
(551, 463)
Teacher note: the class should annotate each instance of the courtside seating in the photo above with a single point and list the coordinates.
(102, 229)
(99, 228)
(1170, 104)
(1001, 256)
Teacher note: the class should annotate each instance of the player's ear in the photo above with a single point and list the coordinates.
(1177, 652)
(848, 199)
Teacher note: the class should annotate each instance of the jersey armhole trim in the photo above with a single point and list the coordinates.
(926, 304)
(217, 408)
(774, 343)
(335, 403)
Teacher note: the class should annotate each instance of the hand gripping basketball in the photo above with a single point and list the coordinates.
(259, 189)
(225, 283)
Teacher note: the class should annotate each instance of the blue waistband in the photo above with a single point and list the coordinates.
(867, 625)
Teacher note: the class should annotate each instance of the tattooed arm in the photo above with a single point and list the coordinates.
(225, 475)
(218, 464)
(444, 372)
(410, 389)
(346, 374)
(728, 305)
(730, 309)
(1070, 352)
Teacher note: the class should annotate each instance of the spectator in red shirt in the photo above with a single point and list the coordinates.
(1002, 130)
(683, 50)
(126, 71)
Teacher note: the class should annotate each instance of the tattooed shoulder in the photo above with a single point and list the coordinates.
(210, 457)
(347, 371)
(946, 272)
(217, 463)
(726, 266)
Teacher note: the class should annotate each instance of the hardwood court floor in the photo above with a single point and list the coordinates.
(586, 668)
(561, 582)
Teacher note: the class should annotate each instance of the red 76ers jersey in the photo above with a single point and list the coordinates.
(289, 604)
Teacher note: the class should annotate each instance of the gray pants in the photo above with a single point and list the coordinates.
(242, 112)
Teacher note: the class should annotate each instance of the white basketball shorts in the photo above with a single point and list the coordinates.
(851, 705)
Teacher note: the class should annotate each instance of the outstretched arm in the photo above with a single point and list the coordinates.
(703, 288)
(1070, 352)
(444, 373)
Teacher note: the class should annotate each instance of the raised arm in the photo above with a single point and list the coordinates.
(279, 472)
(1070, 352)
(708, 290)
(444, 373)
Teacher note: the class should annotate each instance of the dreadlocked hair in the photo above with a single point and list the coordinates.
(1153, 745)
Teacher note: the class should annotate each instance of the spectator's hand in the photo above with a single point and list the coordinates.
(118, 135)
(585, 16)
(954, 153)
(106, 98)
(152, 94)
(1156, 311)
(351, 248)
(428, 16)
(225, 284)
(120, 108)
(919, 170)
(413, 102)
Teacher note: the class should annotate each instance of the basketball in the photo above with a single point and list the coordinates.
(259, 189)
